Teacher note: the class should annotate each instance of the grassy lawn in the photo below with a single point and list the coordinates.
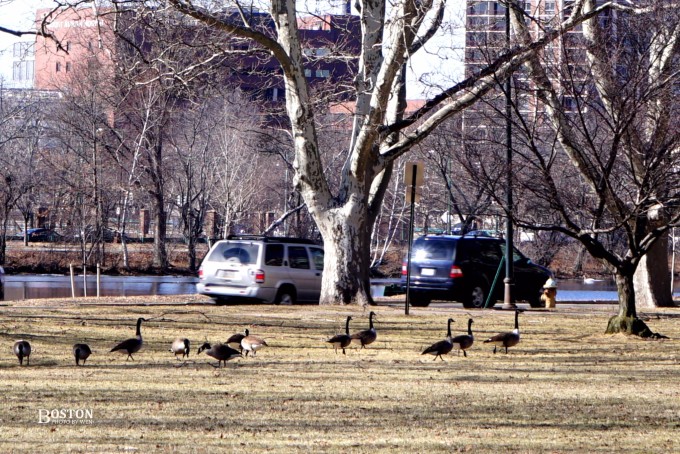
(565, 388)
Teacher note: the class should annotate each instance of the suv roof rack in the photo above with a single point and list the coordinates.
(270, 239)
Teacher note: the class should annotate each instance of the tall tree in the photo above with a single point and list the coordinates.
(390, 35)
(607, 175)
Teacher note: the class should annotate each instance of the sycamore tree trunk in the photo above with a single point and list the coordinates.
(347, 257)
(653, 277)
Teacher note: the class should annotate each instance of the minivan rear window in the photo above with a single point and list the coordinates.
(243, 253)
(429, 249)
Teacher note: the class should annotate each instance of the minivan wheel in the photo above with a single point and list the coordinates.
(285, 296)
(220, 301)
(475, 297)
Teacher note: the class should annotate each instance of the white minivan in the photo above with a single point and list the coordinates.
(277, 270)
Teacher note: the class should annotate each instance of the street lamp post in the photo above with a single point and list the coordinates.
(508, 300)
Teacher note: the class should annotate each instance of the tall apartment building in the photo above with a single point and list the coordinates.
(485, 38)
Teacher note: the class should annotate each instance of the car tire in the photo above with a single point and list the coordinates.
(220, 301)
(420, 302)
(476, 295)
(285, 296)
(536, 301)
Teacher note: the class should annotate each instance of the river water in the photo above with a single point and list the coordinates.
(22, 287)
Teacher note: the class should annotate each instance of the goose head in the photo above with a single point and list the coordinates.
(205, 346)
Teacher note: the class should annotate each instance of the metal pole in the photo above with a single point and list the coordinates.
(99, 279)
(410, 241)
(448, 196)
(73, 282)
(84, 280)
(672, 262)
(508, 300)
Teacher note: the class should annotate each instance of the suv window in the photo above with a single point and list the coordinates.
(516, 255)
(243, 253)
(273, 255)
(317, 257)
(297, 257)
(489, 252)
(433, 249)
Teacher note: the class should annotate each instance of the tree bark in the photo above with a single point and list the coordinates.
(627, 321)
(346, 259)
(653, 277)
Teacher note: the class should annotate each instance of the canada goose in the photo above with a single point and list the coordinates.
(341, 340)
(252, 343)
(464, 341)
(180, 346)
(442, 347)
(235, 340)
(509, 339)
(221, 352)
(132, 345)
(23, 350)
(81, 352)
(367, 336)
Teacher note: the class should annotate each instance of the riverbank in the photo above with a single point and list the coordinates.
(56, 258)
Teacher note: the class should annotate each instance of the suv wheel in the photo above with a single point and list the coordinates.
(418, 300)
(476, 296)
(535, 299)
(285, 296)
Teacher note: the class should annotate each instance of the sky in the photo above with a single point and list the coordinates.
(437, 63)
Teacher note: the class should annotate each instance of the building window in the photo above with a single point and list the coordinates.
(57, 67)
(315, 51)
(323, 73)
(22, 70)
(308, 73)
(550, 8)
(23, 50)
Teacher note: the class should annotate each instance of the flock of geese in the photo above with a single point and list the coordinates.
(248, 343)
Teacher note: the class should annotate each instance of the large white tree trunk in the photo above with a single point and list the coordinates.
(346, 238)
(652, 278)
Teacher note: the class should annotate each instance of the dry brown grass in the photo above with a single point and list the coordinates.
(565, 388)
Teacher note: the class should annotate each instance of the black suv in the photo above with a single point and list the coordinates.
(462, 268)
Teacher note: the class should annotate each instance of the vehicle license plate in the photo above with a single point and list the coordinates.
(226, 274)
(427, 272)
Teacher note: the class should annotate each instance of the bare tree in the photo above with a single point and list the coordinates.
(20, 126)
(380, 133)
(607, 174)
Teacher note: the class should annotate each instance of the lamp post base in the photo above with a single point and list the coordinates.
(508, 300)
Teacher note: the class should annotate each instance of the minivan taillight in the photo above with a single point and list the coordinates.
(455, 272)
(259, 277)
(200, 273)
(404, 268)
